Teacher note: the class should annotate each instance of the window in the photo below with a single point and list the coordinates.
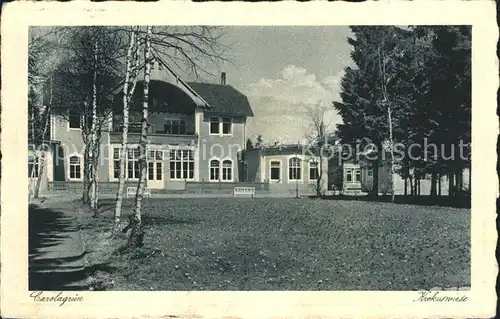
(33, 167)
(358, 175)
(155, 165)
(181, 164)
(133, 169)
(155, 155)
(313, 171)
(214, 170)
(221, 125)
(294, 169)
(214, 125)
(175, 127)
(75, 167)
(275, 171)
(74, 119)
(227, 170)
(151, 167)
(116, 162)
(226, 125)
(348, 175)
(159, 171)
(132, 166)
(370, 172)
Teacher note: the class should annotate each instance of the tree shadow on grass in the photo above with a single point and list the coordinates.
(71, 280)
(50, 281)
(47, 228)
(55, 259)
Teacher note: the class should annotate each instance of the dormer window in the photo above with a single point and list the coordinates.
(214, 125)
(74, 119)
(226, 126)
(220, 125)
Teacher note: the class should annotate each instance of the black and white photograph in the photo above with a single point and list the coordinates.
(249, 158)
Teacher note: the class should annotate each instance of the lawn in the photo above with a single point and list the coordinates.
(283, 244)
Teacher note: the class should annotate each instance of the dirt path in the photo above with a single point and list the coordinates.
(56, 254)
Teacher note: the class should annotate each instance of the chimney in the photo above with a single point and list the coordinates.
(223, 78)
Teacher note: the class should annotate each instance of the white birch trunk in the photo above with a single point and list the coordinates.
(33, 167)
(389, 115)
(48, 110)
(137, 234)
(95, 166)
(385, 103)
(86, 168)
(86, 155)
(132, 53)
(93, 137)
(42, 152)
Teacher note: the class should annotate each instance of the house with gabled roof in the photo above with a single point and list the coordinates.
(196, 133)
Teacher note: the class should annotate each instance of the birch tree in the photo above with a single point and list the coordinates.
(45, 126)
(33, 111)
(188, 50)
(93, 134)
(131, 75)
(385, 103)
(84, 84)
(40, 62)
(136, 232)
(318, 139)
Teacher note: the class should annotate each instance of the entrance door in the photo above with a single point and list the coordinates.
(155, 169)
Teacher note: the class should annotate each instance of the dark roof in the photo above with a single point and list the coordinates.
(223, 99)
(163, 97)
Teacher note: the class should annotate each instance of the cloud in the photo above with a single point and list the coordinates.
(281, 105)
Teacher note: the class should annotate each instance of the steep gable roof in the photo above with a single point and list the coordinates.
(223, 99)
(167, 74)
(214, 98)
(177, 80)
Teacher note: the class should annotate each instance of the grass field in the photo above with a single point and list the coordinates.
(284, 244)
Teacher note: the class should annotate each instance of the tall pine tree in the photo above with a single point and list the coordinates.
(422, 75)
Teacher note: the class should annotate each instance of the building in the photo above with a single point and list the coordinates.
(288, 168)
(355, 176)
(196, 134)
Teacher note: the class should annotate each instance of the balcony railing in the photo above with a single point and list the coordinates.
(156, 138)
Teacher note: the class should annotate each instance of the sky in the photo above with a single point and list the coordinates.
(285, 71)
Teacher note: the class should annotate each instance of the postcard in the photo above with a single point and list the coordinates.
(249, 160)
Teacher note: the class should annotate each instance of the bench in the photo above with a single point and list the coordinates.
(133, 191)
(244, 191)
(352, 190)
